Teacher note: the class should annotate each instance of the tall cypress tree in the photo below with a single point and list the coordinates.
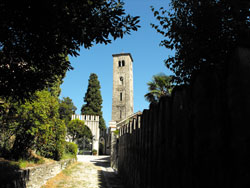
(93, 100)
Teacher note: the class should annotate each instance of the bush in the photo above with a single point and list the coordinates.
(53, 145)
(38, 127)
(80, 152)
(94, 151)
(71, 148)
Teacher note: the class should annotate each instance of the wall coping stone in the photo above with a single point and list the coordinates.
(33, 177)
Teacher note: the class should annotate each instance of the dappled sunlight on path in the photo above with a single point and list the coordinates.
(88, 172)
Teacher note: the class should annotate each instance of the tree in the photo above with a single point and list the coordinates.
(35, 38)
(8, 126)
(93, 100)
(161, 85)
(66, 109)
(53, 146)
(202, 32)
(77, 129)
(39, 127)
(32, 124)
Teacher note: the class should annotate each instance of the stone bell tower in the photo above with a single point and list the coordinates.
(122, 99)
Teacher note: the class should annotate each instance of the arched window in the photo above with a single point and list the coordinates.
(121, 80)
(123, 63)
(119, 63)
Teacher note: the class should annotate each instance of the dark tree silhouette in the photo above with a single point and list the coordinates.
(202, 32)
(35, 38)
(66, 109)
(93, 99)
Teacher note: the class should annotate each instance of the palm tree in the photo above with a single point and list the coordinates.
(161, 85)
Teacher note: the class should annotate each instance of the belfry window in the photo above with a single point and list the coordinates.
(121, 63)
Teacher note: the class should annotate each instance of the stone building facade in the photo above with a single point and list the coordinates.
(122, 99)
(92, 122)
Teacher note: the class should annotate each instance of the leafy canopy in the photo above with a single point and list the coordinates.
(37, 126)
(66, 109)
(93, 99)
(77, 129)
(161, 85)
(202, 33)
(35, 38)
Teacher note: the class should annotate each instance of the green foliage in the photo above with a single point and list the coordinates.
(33, 124)
(117, 132)
(161, 85)
(93, 99)
(77, 129)
(35, 119)
(22, 163)
(54, 144)
(10, 166)
(94, 151)
(54, 88)
(203, 33)
(8, 126)
(36, 37)
(66, 109)
(102, 124)
(71, 148)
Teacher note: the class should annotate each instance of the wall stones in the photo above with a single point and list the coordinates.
(32, 177)
(122, 98)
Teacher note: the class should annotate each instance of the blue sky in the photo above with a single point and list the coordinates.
(144, 47)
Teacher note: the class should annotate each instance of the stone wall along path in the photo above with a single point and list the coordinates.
(88, 172)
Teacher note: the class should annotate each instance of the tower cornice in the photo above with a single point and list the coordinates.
(122, 54)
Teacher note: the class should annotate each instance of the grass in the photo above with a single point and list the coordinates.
(22, 163)
(62, 179)
(34, 160)
(8, 166)
(68, 171)
(68, 156)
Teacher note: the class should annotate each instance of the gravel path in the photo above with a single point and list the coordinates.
(88, 172)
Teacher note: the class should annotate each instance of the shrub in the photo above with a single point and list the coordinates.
(94, 151)
(71, 148)
(80, 152)
(53, 145)
(38, 127)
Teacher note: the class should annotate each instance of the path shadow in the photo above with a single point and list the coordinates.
(11, 175)
(109, 180)
(101, 179)
(107, 177)
(102, 162)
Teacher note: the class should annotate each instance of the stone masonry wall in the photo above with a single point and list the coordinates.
(32, 177)
(198, 137)
(122, 97)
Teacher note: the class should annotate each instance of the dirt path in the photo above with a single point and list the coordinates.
(88, 172)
